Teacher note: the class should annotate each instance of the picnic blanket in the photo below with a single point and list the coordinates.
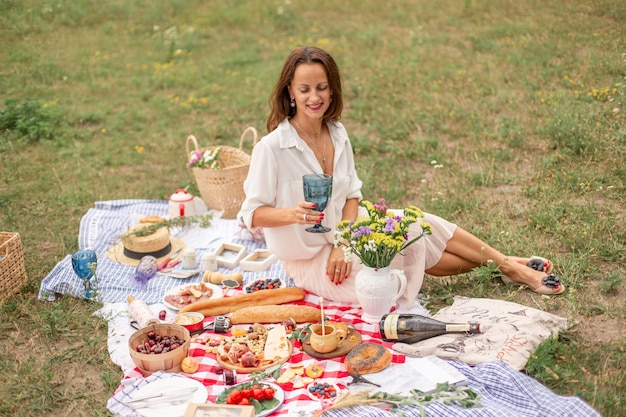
(102, 228)
(505, 392)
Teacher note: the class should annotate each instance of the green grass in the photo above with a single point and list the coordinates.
(505, 117)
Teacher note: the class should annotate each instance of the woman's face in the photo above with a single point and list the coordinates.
(311, 90)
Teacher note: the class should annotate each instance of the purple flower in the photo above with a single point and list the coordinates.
(362, 231)
(390, 227)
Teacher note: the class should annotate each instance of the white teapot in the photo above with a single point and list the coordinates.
(181, 204)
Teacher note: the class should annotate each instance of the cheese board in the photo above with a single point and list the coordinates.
(254, 351)
(263, 364)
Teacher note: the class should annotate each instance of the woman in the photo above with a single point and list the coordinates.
(305, 136)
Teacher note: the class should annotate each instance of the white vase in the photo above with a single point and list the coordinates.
(378, 290)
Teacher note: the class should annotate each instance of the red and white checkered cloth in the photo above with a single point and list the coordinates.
(295, 398)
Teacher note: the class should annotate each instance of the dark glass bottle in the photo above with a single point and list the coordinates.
(412, 328)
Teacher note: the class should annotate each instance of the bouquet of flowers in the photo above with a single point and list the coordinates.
(206, 159)
(376, 239)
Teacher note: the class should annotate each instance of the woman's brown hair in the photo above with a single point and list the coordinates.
(280, 99)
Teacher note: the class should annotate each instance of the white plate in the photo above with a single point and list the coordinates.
(217, 293)
(180, 273)
(166, 409)
(279, 394)
(251, 284)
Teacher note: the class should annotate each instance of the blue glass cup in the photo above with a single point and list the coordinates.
(84, 263)
(318, 189)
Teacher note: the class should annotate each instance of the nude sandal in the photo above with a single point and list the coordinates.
(552, 284)
(540, 264)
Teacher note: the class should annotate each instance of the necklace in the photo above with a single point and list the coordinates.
(317, 136)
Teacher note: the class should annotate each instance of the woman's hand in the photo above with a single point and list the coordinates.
(337, 269)
(304, 214)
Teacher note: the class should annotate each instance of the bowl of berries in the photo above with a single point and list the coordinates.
(159, 347)
(264, 284)
(323, 391)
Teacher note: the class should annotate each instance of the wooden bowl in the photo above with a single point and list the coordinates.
(169, 361)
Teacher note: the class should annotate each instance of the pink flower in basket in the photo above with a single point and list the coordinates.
(207, 159)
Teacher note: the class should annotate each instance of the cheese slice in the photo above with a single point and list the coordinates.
(276, 344)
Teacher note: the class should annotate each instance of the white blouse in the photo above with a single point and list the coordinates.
(279, 160)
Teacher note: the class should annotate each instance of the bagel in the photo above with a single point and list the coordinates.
(367, 358)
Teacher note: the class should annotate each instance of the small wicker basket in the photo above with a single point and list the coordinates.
(169, 361)
(12, 270)
(222, 189)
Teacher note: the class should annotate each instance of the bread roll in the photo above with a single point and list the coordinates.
(276, 314)
(151, 219)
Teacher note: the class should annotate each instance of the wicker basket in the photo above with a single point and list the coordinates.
(169, 361)
(12, 270)
(222, 189)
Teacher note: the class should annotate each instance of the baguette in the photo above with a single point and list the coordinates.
(225, 305)
(276, 314)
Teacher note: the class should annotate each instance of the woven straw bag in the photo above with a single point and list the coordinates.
(12, 270)
(222, 189)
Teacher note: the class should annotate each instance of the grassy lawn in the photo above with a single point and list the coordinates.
(506, 117)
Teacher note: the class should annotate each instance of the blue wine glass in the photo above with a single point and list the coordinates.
(84, 263)
(318, 189)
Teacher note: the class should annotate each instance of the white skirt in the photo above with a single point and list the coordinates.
(310, 274)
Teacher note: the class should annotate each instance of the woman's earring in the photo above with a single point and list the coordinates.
(293, 102)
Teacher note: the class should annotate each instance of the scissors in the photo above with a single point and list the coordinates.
(169, 262)
(357, 378)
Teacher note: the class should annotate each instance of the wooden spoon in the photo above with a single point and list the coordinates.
(322, 310)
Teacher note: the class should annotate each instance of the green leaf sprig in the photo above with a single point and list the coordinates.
(445, 393)
(202, 220)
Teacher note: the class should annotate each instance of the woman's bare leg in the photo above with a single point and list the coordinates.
(465, 251)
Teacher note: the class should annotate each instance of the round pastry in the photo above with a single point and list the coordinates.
(151, 219)
(367, 358)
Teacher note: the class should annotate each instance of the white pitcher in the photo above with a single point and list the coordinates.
(378, 290)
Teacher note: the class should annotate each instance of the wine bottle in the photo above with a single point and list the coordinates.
(412, 328)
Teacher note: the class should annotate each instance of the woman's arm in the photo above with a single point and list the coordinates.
(337, 269)
(350, 209)
(266, 216)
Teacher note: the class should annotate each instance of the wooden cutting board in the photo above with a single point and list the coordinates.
(242, 370)
(352, 340)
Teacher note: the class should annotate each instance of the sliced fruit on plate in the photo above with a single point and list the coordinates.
(323, 391)
(314, 371)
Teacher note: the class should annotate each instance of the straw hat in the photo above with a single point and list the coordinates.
(132, 248)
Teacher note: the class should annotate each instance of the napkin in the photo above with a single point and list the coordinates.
(415, 373)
